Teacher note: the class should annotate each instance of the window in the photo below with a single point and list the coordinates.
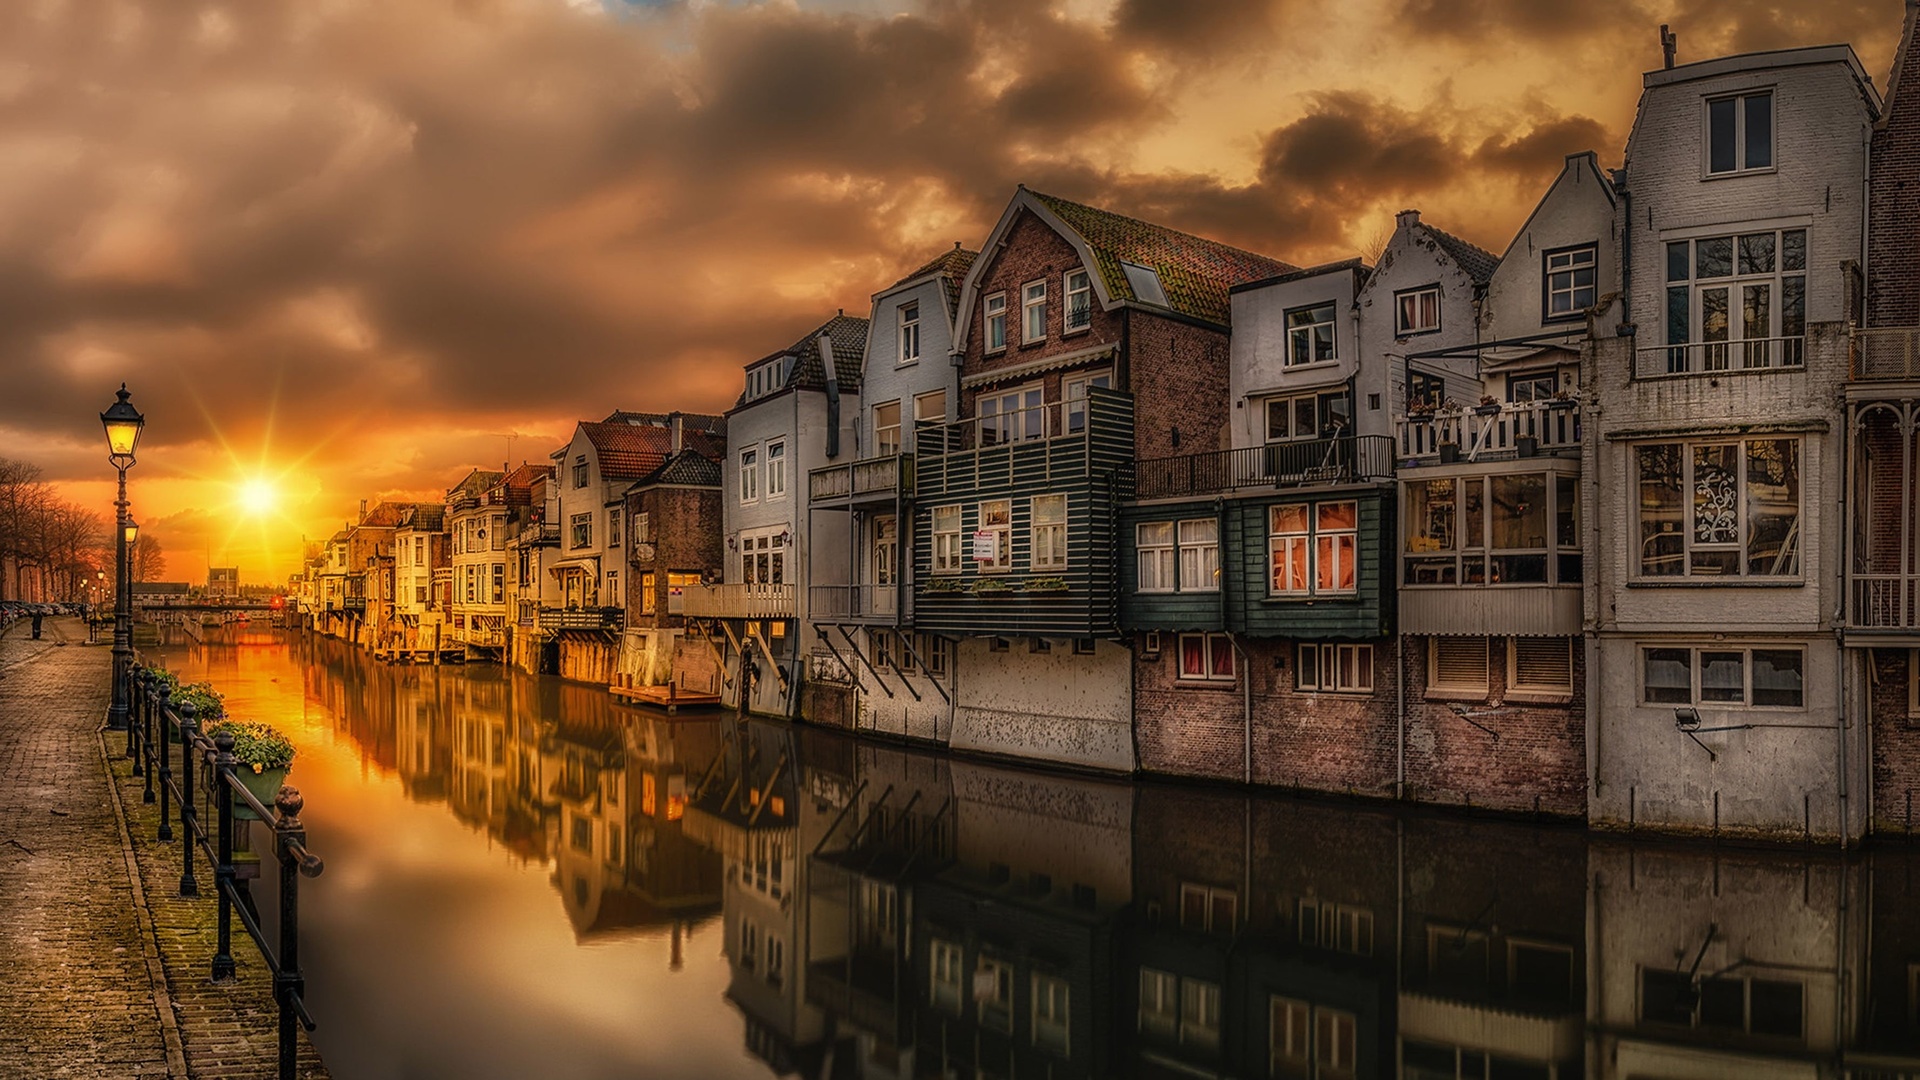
(613, 587)
(1206, 658)
(1536, 386)
(909, 332)
(581, 527)
(1334, 668)
(1541, 665)
(1729, 1003)
(1211, 910)
(880, 647)
(1074, 389)
(1033, 312)
(938, 654)
(1570, 282)
(993, 989)
(1720, 676)
(1740, 134)
(776, 960)
(1306, 1041)
(946, 540)
(1324, 924)
(678, 581)
(648, 582)
(993, 540)
(1159, 1002)
(1079, 290)
(1457, 664)
(749, 476)
(580, 471)
(1199, 555)
(1310, 416)
(1416, 311)
(1199, 1013)
(1517, 529)
(1425, 391)
(1012, 416)
(1050, 1024)
(613, 527)
(930, 408)
(1047, 525)
(1727, 509)
(1737, 301)
(1310, 334)
(776, 469)
(1311, 548)
(763, 556)
(500, 583)
(994, 309)
(419, 551)
(945, 962)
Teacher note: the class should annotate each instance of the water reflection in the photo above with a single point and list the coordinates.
(532, 880)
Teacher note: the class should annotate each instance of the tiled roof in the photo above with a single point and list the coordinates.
(688, 468)
(475, 483)
(427, 517)
(1478, 262)
(519, 482)
(631, 451)
(1195, 273)
(708, 422)
(952, 266)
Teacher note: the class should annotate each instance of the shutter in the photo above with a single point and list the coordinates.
(1460, 662)
(1543, 663)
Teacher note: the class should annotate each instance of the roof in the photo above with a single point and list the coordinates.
(688, 468)
(427, 517)
(631, 451)
(387, 515)
(1356, 266)
(708, 422)
(952, 266)
(1770, 60)
(1195, 273)
(1478, 262)
(475, 483)
(848, 335)
(519, 483)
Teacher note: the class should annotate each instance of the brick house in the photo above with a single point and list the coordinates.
(1085, 341)
(674, 529)
(1719, 699)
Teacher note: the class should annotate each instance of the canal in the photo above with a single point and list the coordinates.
(526, 879)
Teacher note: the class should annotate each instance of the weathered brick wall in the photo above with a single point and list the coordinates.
(1539, 762)
(1178, 376)
(1879, 511)
(684, 527)
(1896, 741)
(1893, 208)
(1032, 252)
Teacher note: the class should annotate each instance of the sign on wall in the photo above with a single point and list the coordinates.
(983, 546)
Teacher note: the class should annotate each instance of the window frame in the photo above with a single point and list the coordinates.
(1460, 560)
(1332, 323)
(881, 446)
(1696, 673)
(1327, 658)
(1401, 329)
(1689, 526)
(993, 306)
(1740, 133)
(1516, 688)
(1457, 689)
(1312, 541)
(1068, 292)
(1211, 646)
(1786, 328)
(581, 472)
(953, 559)
(1549, 291)
(1002, 561)
(580, 531)
(1029, 305)
(908, 334)
(750, 475)
(776, 468)
(1050, 535)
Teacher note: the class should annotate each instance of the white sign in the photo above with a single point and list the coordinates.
(984, 548)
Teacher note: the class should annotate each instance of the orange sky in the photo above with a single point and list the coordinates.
(357, 247)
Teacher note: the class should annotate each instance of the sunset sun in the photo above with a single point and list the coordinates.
(257, 496)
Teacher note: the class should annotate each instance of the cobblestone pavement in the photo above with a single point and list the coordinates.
(104, 968)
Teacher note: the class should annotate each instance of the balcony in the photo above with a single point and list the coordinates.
(1890, 354)
(739, 600)
(867, 480)
(1489, 433)
(353, 603)
(1042, 445)
(539, 534)
(1345, 460)
(483, 636)
(876, 604)
(1749, 356)
(552, 619)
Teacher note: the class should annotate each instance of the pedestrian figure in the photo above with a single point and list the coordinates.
(37, 615)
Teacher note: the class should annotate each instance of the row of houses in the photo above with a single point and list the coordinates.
(1620, 523)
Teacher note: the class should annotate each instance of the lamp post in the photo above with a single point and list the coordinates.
(123, 423)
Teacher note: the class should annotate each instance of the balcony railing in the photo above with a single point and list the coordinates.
(1039, 444)
(1490, 432)
(1884, 602)
(486, 637)
(540, 534)
(889, 475)
(854, 603)
(1344, 460)
(1721, 357)
(353, 603)
(581, 618)
(739, 601)
(1890, 354)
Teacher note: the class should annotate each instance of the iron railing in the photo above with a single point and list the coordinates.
(1343, 460)
(1721, 357)
(1884, 354)
(154, 728)
(1884, 602)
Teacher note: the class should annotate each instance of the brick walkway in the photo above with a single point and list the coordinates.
(103, 967)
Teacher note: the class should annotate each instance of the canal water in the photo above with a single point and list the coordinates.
(526, 879)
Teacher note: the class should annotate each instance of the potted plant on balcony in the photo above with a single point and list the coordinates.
(1489, 405)
(1045, 584)
(262, 756)
(1562, 399)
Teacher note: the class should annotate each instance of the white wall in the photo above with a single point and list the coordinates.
(1056, 706)
(1259, 353)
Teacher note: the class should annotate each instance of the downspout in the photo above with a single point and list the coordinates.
(1246, 661)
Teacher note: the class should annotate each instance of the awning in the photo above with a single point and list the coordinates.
(1034, 367)
(589, 564)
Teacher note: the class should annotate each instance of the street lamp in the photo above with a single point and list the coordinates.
(123, 423)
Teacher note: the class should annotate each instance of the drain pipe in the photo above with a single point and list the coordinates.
(1400, 711)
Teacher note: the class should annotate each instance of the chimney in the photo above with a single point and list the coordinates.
(1406, 218)
(363, 509)
(1669, 45)
(677, 424)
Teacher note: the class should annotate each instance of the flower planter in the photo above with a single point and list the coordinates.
(265, 786)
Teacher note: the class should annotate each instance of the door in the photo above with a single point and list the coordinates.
(883, 562)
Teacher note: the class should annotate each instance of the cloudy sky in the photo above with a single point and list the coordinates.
(357, 246)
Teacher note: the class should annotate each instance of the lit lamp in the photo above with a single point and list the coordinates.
(123, 423)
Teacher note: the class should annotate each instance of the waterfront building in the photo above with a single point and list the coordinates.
(675, 522)
(477, 525)
(420, 547)
(1720, 702)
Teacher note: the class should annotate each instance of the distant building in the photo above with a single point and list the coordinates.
(223, 581)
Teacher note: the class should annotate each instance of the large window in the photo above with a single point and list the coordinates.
(1740, 133)
(1206, 658)
(947, 553)
(776, 469)
(1517, 529)
(1012, 415)
(1416, 311)
(1306, 1041)
(993, 539)
(1047, 532)
(1199, 555)
(994, 310)
(1721, 676)
(1737, 302)
(1311, 549)
(1050, 1024)
(749, 475)
(944, 959)
(1310, 416)
(1723, 509)
(909, 332)
(1310, 334)
(1154, 542)
(886, 429)
(1079, 289)
(1179, 556)
(763, 557)
(1033, 312)
(1334, 668)
(1570, 285)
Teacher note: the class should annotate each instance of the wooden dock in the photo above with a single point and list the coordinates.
(669, 697)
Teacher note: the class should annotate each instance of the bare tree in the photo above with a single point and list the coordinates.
(149, 561)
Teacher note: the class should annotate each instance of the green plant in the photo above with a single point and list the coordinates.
(946, 585)
(208, 704)
(1045, 584)
(256, 746)
(990, 585)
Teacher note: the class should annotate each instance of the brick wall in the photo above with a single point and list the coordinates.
(1539, 762)
(684, 526)
(1896, 741)
(1893, 233)
(1178, 375)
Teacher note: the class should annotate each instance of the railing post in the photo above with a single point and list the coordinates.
(134, 704)
(189, 818)
(223, 872)
(146, 734)
(289, 834)
(166, 764)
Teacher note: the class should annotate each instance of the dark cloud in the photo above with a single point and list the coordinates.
(1539, 151)
(1183, 27)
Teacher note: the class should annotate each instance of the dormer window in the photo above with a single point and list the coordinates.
(1310, 334)
(909, 332)
(1416, 311)
(1740, 134)
(1079, 289)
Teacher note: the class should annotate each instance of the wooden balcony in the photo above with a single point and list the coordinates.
(739, 601)
(1489, 433)
(867, 480)
(1039, 447)
(1884, 354)
(610, 618)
